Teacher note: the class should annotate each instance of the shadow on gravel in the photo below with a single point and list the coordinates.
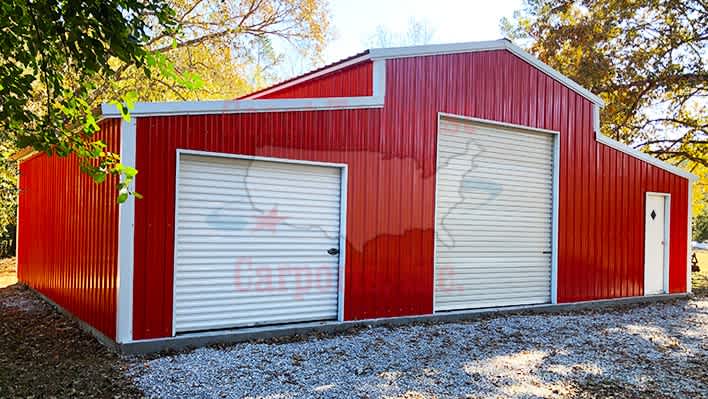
(639, 351)
(45, 354)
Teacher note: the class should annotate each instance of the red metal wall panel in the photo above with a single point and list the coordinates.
(352, 81)
(68, 235)
(391, 156)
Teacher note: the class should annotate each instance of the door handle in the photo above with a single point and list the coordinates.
(333, 251)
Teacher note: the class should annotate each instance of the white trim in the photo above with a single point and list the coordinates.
(307, 77)
(555, 202)
(554, 218)
(667, 236)
(437, 49)
(435, 213)
(644, 157)
(245, 106)
(126, 241)
(344, 185)
(178, 158)
(342, 213)
(378, 56)
(378, 82)
(596, 119)
(504, 44)
(259, 158)
(491, 122)
(689, 287)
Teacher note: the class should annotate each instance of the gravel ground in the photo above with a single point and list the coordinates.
(44, 354)
(658, 350)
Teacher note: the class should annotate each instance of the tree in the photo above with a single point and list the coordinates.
(62, 59)
(418, 32)
(700, 227)
(233, 46)
(647, 59)
(52, 53)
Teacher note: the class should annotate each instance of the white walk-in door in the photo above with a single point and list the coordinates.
(655, 245)
(257, 242)
(493, 216)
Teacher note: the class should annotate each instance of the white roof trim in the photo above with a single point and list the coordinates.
(307, 77)
(438, 49)
(244, 106)
(644, 157)
(454, 48)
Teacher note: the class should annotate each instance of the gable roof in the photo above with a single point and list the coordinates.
(430, 50)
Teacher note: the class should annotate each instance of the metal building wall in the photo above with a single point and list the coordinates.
(68, 235)
(348, 82)
(391, 196)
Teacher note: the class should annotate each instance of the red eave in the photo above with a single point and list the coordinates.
(306, 74)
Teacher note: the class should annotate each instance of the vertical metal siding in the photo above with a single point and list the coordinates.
(68, 235)
(353, 81)
(391, 156)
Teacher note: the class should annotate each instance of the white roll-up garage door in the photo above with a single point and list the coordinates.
(256, 242)
(493, 216)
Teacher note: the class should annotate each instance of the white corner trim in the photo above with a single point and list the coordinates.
(245, 106)
(689, 286)
(309, 76)
(126, 241)
(343, 193)
(378, 81)
(644, 157)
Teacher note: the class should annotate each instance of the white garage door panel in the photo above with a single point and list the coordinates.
(251, 243)
(494, 216)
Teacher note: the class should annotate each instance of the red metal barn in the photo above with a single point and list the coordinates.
(398, 182)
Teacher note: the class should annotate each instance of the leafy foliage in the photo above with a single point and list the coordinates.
(647, 59)
(62, 59)
(232, 46)
(700, 227)
(52, 52)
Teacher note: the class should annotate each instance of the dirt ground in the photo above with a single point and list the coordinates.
(45, 354)
(7, 272)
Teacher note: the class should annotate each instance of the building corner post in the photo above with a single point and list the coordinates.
(126, 231)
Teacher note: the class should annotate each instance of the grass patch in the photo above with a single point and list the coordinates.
(699, 280)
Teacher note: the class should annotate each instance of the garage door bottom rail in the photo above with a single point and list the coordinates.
(192, 340)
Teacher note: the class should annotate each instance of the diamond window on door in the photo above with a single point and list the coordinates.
(653, 214)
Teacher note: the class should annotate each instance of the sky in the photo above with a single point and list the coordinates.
(356, 21)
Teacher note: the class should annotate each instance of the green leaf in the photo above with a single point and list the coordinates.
(130, 171)
(122, 197)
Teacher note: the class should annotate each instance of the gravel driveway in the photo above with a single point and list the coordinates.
(658, 350)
